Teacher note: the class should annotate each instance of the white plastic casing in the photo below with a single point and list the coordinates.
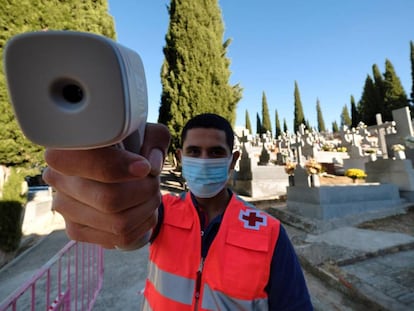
(75, 90)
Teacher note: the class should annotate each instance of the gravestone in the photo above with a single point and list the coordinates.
(258, 181)
(356, 156)
(404, 129)
(333, 202)
(393, 171)
(383, 132)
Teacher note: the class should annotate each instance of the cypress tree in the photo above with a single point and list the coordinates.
(367, 106)
(17, 16)
(298, 113)
(195, 73)
(266, 124)
(258, 124)
(285, 127)
(248, 123)
(278, 130)
(345, 118)
(321, 122)
(395, 96)
(335, 128)
(378, 104)
(355, 118)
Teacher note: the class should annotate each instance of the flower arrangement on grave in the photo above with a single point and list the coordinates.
(355, 173)
(313, 167)
(290, 167)
(398, 147)
(328, 147)
(341, 149)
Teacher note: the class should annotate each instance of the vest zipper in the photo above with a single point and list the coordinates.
(198, 283)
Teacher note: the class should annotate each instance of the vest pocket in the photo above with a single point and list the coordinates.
(246, 264)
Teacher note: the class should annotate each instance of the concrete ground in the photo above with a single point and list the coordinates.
(346, 268)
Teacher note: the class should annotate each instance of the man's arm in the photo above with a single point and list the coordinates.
(109, 196)
(287, 288)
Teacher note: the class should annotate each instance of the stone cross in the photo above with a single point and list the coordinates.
(382, 129)
(364, 133)
(298, 144)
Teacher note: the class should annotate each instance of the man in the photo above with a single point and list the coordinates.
(209, 249)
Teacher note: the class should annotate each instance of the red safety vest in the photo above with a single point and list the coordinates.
(235, 272)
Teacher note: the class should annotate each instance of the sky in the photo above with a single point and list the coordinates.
(328, 47)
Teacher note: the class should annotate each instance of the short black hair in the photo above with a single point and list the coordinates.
(210, 120)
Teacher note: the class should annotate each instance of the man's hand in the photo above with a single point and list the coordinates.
(109, 196)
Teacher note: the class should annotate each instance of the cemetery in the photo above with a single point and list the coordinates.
(294, 165)
(322, 187)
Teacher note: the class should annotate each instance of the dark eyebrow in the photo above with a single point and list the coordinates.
(217, 148)
(192, 147)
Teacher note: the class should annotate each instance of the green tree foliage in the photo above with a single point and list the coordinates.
(367, 107)
(307, 125)
(355, 118)
(299, 117)
(335, 128)
(321, 122)
(248, 123)
(278, 130)
(195, 73)
(395, 96)
(285, 127)
(382, 94)
(258, 124)
(266, 124)
(17, 16)
(379, 93)
(345, 118)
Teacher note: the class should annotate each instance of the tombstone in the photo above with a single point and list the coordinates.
(330, 205)
(245, 165)
(404, 130)
(297, 144)
(264, 157)
(356, 156)
(383, 131)
(258, 181)
(310, 147)
(280, 156)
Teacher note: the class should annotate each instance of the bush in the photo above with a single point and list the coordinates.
(11, 210)
(13, 189)
(10, 225)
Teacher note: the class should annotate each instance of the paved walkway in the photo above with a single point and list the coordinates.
(346, 269)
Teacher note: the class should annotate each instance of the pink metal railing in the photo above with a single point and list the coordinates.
(70, 281)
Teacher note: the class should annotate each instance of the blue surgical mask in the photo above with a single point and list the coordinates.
(206, 177)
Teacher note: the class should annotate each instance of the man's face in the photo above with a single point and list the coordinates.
(205, 143)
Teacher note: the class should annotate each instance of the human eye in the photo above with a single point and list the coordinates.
(217, 152)
(192, 152)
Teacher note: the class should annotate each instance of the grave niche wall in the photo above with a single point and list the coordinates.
(338, 201)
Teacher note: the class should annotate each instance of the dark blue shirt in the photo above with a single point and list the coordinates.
(286, 288)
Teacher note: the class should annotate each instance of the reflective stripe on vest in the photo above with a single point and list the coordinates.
(170, 285)
(215, 300)
(182, 290)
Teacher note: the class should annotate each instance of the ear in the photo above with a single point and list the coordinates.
(178, 154)
(236, 155)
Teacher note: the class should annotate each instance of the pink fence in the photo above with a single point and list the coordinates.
(71, 280)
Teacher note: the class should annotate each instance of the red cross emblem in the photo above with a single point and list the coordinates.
(252, 219)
